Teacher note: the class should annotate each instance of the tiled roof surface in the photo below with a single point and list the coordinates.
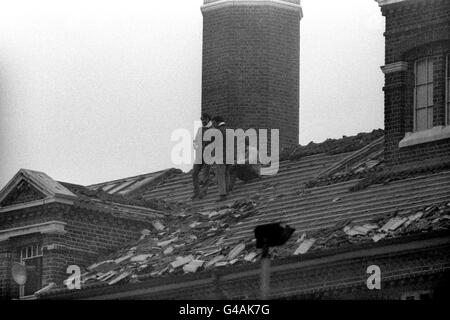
(197, 241)
(366, 160)
(284, 197)
(118, 205)
(204, 234)
(130, 185)
(332, 146)
(42, 181)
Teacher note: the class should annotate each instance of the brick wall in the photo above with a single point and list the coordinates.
(401, 272)
(251, 68)
(414, 29)
(89, 235)
(5, 267)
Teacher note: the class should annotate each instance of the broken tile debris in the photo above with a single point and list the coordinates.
(251, 256)
(393, 224)
(359, 230)
(199, 241)
(193, 266)
(304, 246)
(236, 251)
(158, 225)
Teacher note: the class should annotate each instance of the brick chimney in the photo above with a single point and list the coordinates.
(251, 57)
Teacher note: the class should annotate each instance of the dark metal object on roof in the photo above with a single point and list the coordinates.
(272, 235)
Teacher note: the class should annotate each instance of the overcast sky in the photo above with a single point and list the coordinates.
(91, 90)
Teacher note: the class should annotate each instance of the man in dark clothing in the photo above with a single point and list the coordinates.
(223, 177)
(199, 146)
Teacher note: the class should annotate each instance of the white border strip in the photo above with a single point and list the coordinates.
(230, 3)
(424, 136)
(51, 227)
(56, 246)
(35, 204)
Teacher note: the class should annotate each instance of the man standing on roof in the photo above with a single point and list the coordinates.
(199, 164)
(222, 174)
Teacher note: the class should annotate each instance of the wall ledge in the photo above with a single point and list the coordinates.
(232, 3)
(51, 227)
(425, 136)
(395, 67)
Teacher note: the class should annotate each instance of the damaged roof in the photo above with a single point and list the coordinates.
(202, 235)
(200, 246)
(119, 206)
(39, 181)
(131, 185)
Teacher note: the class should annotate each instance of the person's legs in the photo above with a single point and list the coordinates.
(232, 172)
(195, 173)
(206, 181)
(222, 180)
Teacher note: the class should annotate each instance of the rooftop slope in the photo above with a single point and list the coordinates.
(133, 185)
(84, 198)
(199, 246)
(204, 234)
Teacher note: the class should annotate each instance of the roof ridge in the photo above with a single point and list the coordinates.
(353, 157)
(398, 173)
(144, 175)
(84, 192)
(332, 146)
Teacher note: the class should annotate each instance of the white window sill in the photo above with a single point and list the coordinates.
(429, 135)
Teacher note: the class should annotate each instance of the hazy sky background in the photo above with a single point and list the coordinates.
(91, 90)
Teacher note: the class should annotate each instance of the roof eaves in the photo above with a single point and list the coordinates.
(120, 210)
(132, 185)
(356, 251)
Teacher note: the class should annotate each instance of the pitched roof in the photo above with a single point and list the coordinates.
(116, 204)
(30, 187)
(332, 146)
(177, 251)
(206, 234)
(40, 181)
(131, 185)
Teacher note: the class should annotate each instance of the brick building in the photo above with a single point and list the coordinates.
(376, 200)
(416, 89)
(48, 225)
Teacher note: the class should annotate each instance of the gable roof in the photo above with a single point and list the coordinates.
(115, 204)
(40, 183)
(42, 189)
(132, 185)
(207, 235)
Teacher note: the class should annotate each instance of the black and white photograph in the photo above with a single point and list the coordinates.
(226, 155)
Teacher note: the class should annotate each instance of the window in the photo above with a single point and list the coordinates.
(423, 94)
(31, 257)
(447, 76)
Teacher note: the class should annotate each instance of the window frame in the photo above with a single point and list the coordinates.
(426, 84)
(29, 252)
